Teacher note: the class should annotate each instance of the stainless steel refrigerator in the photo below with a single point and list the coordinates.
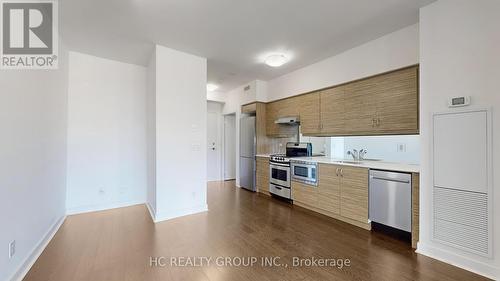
(247, 152)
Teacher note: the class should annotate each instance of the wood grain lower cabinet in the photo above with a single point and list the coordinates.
(415, 209)
(342, 193)
(262, 175)
(329, 188)
(304, 194)
(354, 193)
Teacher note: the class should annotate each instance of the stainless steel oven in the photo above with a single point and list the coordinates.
(305, 172)
(279, 174)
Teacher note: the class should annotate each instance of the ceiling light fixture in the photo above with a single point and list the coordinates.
(212, 87)
(276, 60)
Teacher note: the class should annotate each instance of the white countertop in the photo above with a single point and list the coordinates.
(380, 165)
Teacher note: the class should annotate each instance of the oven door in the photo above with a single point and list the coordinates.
(279, 174)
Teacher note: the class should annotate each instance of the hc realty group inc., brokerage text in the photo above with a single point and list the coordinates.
(248, 261)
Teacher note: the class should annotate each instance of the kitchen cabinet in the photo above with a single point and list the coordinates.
(281, 108)
(304, 194)
(415, 209)
(384, 104)
(262, 174)
(329, 188)
(342, 193)
(332, 108)
(309, 112)
(249, 108)
(354, 193)
(397, 102)
(361, 107)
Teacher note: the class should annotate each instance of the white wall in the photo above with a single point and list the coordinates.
(106, 134)
(216, 96)
(151, 134)
(392, 51)
(33, 106)
(230, 147)
(386, 148)
(459, 51)
(181, 148)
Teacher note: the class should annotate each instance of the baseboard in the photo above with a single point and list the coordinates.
(100, 207)
(460, 261)
(152, 213)
(37, 251)
(180, 213)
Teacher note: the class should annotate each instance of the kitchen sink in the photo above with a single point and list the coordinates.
(356, 161)
(349, 162)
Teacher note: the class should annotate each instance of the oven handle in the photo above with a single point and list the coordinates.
(280, 165)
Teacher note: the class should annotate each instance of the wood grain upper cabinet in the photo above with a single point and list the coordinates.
(271, 115)
(329, 188)
(281, 108)
(249, 108)
(384, 104)
(309, 111)
(332, 110)
(354, 193)
(397, 102)
(360, 107)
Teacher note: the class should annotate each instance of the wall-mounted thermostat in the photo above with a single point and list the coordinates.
(459, 101)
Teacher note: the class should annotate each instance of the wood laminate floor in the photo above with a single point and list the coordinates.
(116, 245)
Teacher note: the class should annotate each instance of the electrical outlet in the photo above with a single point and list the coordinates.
(401, 147)
(12, 249)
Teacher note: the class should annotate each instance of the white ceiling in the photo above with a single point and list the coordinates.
(232, 34)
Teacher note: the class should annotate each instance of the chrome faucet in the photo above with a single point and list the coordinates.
(357, 155)
(362, 154)
(354, 153)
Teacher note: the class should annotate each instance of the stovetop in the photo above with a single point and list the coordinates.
(279, 158)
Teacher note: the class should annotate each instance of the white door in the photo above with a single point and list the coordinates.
(230, 147)
(213, 150)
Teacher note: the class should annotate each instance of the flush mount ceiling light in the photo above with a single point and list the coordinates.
(276, 60)
(212, 87)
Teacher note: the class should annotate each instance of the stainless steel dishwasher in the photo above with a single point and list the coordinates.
(390, 199)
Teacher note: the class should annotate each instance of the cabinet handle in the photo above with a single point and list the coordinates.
(342, 172)
(378, 122)
(373, 122)
(337, 171)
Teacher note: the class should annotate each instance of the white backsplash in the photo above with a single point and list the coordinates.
(402, 149)
(386, 148)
